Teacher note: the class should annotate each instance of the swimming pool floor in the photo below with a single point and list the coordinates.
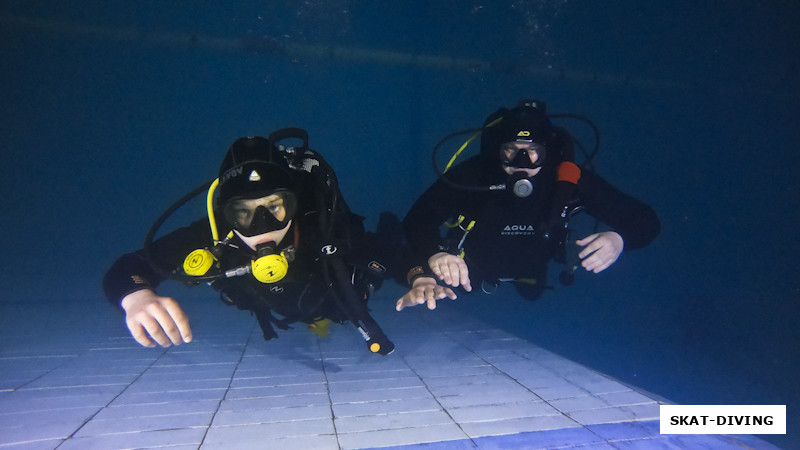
(72, 378)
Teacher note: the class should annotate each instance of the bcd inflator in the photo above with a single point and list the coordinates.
(269, 266)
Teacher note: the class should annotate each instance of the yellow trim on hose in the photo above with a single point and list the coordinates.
(467, 142)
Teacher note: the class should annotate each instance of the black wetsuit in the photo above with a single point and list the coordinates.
(507, 239)
(312, 288)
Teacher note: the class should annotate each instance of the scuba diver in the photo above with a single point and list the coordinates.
(507, 211)
(281, 243)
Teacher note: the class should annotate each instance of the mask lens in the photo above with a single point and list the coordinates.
(261, 215)
(522, 154)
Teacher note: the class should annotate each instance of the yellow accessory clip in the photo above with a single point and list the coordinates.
(466, 230)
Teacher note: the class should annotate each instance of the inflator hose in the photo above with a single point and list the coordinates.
(148, 240)
(587, 163)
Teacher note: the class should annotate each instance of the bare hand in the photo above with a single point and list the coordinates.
(425, 290)
(451, 269)
(602, 250)
(150, 317)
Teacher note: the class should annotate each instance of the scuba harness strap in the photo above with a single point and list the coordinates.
(337, 273)
(562, 204)
(245, 298)
(551, 235)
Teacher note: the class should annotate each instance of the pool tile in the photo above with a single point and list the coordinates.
(452, 383)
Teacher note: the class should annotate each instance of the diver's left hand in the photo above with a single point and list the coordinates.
(425, 290)
(602, 250)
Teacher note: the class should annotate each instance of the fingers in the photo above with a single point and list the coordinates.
(430, 298)
(156, 325)
(184, 331)
(602, 250)
(427, 294)
(152, 318)
(464, 276)
(596, 263)
(451, 269)
(442, 292)
(414, 298)
(590, 257)
(440, 268)
(592, 246)
(408, 300)
(456, 273)
(139, 334)
(451, 274)
(166, 329)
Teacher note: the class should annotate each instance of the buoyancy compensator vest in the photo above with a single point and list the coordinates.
(529, 125)
(319, 201)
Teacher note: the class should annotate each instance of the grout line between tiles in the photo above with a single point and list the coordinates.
(76, 430)
(230, 383)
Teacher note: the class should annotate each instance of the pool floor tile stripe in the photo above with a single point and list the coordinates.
(72, 378)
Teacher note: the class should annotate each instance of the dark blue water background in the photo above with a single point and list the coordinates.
(114, 109)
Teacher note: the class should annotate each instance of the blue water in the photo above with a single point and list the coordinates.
(114, 109)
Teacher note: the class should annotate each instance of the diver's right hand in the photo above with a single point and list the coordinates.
(425, 290)
(451, 269)
(151, 317)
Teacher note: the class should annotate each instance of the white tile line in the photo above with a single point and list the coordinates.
(504, 385)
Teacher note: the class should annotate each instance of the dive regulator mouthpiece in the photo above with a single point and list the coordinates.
(520, 185)
(269, 265)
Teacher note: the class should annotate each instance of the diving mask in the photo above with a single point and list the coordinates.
(522, 154)
(255, 216)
